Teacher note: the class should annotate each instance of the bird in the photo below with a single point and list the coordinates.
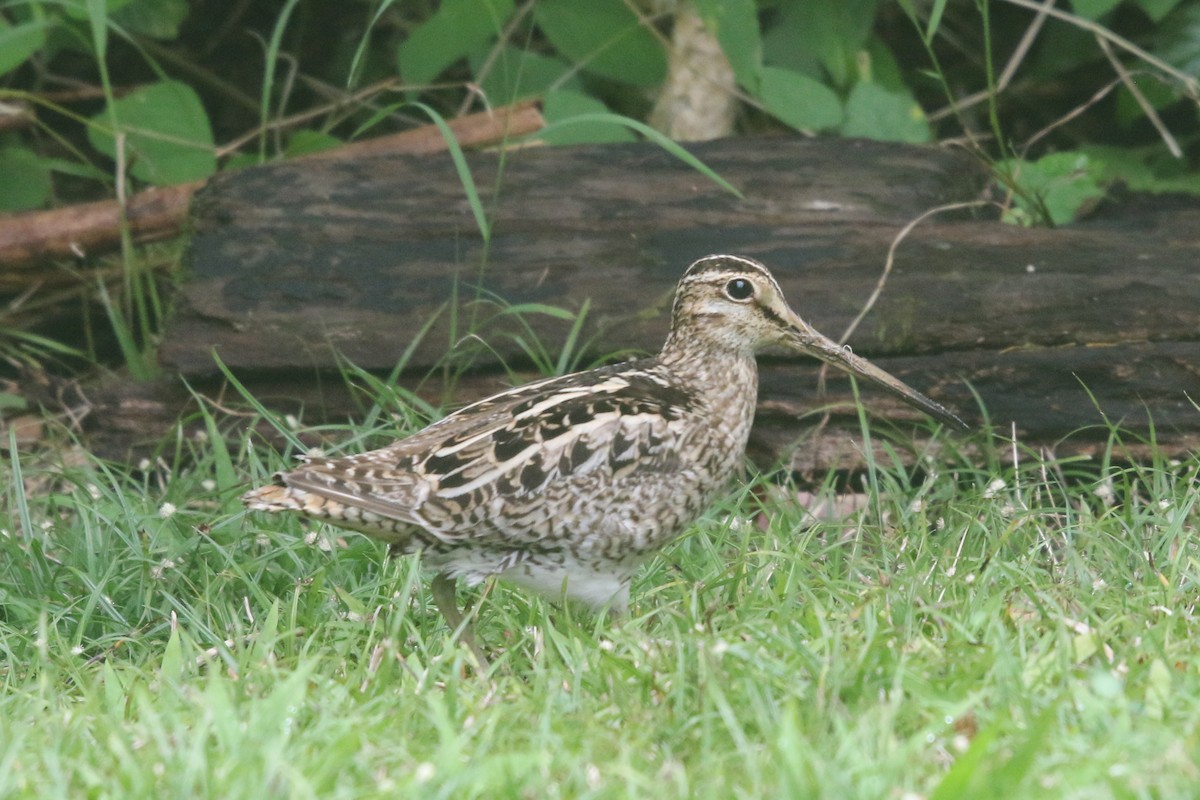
(565, 485)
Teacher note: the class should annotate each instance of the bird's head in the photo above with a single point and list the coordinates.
(733, 304)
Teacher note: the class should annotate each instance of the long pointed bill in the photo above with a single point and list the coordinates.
(806, 339)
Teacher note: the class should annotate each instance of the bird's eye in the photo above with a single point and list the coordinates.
(739, 289)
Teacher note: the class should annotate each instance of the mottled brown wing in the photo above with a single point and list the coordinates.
(616, 421)
(617, 424)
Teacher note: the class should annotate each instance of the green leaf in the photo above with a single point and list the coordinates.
(785, 45)
(560, 106)
(516, 74)
(604, 37)
(735, 24)
(157, 19)
(1062, 183)
(303, 142)
(935, 19)
(26, 181)
(353, 604)
(171, 667)
(1177, 40)
(873, 112)
(19, 42)
(80, 8)
(1150, 170)
(1158, 9)
(1093, 9)
(1129, 110)
(457, 29)
(883, 67)
(1158, 690)
(828, 33)
(12, 402)
(798, 100)
(168, 138)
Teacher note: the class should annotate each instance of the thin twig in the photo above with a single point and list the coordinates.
(1147, 109)
(891, 259)
(883, 276)
(1190, 82)
(1063, 120)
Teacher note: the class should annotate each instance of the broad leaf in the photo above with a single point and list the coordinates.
(1093, 9)
(79, 9)
(604, 37)
(1177, 40)
(1158, 9)
(798, 100)
(735, 24)
(873, 112)
(19, 42)
(303, 142)
(516, 74)
(167, 136)
(829, 32)
(458, 29)
(158, 19)
(26, 183)
(1151, 169)
(1063, 183)
(562, 105)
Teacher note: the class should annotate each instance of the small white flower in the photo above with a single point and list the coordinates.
(424, 772)
(166, 510)
(208, 485)
(291, 421)
(993, 488)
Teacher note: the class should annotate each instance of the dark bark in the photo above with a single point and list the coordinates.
(296, 266)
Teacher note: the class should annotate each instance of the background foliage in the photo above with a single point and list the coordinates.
(183, 89)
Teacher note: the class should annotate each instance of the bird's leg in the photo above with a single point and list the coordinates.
(443, 596)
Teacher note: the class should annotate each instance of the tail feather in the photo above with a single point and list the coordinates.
(272, 497)
(278, 497)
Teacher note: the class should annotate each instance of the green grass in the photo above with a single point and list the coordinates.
(958, 638)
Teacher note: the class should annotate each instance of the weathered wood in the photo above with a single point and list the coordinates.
(294, 267)
(87, 229)
(359, 256)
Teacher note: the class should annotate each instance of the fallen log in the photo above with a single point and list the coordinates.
(89, 229)
(295, 269)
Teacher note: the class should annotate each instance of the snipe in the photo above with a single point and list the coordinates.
(564, 486)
